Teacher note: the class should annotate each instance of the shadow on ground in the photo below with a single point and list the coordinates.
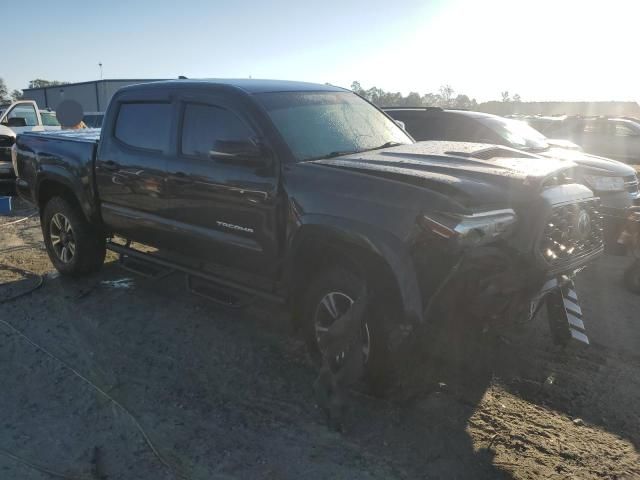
(227, 394)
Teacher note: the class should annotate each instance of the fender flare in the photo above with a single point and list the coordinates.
(60, 177)
(386, 247)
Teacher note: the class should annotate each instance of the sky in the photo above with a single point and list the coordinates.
(541, 49)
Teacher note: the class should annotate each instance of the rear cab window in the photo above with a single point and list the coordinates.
(144, 125)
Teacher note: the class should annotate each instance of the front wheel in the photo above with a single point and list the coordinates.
(75, 247)
(330, 295)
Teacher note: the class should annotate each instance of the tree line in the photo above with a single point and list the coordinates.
(446, 97)
(6, 96)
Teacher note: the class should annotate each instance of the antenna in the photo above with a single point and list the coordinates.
(100, 66)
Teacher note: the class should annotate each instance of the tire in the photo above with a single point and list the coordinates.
(632, 277)
(64, 225)
(347, 284)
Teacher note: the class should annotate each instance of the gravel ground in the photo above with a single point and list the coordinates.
(134, 378)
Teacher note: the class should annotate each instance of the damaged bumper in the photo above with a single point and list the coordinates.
(563, 310)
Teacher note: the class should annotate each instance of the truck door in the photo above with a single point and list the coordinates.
(224, 211)
(131, 168)
(22, 117)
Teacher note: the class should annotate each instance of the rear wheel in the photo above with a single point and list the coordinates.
(329, 296)
(75, 247)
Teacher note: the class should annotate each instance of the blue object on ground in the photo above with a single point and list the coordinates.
(5, 205)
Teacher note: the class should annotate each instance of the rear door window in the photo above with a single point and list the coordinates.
(144, 125)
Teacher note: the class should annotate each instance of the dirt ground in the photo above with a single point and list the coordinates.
(169, 385)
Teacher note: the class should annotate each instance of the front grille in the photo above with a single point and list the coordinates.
(573, 232)
(631, 184)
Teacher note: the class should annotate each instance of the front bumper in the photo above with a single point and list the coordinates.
(501, 290)
(7, 178)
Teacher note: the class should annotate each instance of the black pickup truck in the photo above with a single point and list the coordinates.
(308, 194)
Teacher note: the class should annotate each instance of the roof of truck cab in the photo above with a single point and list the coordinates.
(248, 85)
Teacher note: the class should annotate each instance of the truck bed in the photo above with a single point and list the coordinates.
(63, 154)
(91, 135)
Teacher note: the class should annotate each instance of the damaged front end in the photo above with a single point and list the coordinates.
(508, 264)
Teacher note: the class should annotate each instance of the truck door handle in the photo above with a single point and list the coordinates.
(110, 165)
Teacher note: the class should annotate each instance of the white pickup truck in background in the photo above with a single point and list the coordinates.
(19, 117)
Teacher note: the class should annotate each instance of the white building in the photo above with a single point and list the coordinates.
(94, 96)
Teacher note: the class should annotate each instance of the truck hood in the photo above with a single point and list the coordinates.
(590, 164)
(455, 158)
(474, 173)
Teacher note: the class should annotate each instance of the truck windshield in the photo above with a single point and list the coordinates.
(325, 124)
(517, 133)
(49, 119)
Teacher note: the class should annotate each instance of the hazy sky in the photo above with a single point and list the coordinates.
(541, 49)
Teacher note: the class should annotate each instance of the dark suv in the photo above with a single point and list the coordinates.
(614, 182)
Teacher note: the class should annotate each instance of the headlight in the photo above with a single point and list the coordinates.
(14, 158)
(605, 184)
(473, 230)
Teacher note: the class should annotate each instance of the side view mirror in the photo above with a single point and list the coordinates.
(401, 124)
(17, 122)
(6, 141)
(240, 152)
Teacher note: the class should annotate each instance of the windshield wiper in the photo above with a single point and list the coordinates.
(337, 153)
(385, 145)
(536, 149)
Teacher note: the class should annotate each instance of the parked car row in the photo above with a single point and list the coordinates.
(612, 137)
(615, 183)
(309, 195)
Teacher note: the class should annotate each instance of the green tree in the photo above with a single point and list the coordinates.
(505, 96)
(16, 95)
(430, 99)
(4, 91)
(444, 98)
(446, 95)
(41, 83)
(463, 101)
(516, 98)
(357, 88)
(413, 100)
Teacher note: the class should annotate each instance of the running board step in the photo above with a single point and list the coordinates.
(242, 293)
(143, 267)
(225, 296)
